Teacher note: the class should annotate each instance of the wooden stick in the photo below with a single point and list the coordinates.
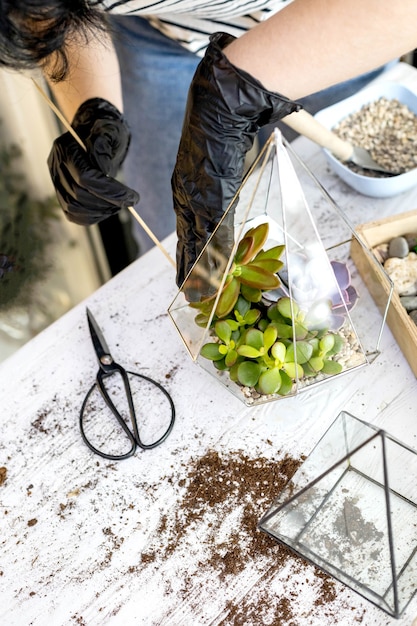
(70, 129)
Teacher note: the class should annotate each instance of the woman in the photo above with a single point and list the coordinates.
(307, 46)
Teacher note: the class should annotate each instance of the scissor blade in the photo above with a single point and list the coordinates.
(99, 343)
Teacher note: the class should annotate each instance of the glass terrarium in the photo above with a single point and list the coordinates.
(274, 304)
(351, 509)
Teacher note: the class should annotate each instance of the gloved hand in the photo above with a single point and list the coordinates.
(225, 109)
(84, 180)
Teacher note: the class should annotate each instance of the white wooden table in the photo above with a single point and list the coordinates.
(75, 529)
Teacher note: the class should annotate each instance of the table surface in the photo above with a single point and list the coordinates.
(88, 541)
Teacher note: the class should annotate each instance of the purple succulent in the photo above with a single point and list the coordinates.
(348, 294)
(346, 298)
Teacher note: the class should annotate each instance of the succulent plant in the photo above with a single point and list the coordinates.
(252, 272)
(269, 364)
(346, 297)
(267, 358)
(263, 345)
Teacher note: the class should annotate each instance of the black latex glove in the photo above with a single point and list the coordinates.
(225, 109)
(84, 180)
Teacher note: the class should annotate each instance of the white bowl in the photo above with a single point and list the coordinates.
(332, 115)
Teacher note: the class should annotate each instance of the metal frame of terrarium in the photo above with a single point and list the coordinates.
(351, 510)
(272, 187)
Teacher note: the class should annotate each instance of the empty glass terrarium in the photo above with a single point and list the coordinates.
(351, 509)
(274, 304)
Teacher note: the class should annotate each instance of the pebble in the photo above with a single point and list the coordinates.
(385, 127)
(398, 247)
(411, 240)
(399, 258)
(403, 273)
(409, 302)
(381, 252)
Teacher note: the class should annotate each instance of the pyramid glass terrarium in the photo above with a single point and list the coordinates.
(352, 510)
(273, 304)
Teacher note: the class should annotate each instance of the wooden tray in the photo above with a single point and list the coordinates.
(378, 283)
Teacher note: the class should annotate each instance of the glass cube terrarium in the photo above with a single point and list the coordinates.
(273, 304)
(351, 509)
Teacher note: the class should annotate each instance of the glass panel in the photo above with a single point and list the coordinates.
(296, 310)
(342, 512)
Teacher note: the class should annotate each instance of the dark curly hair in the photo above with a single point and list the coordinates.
(35, 33)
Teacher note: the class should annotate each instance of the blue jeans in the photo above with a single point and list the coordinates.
(156, 73)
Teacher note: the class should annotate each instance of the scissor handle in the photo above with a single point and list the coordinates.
(149, 446)
(134, 436)
(101, 375)
(99, 383)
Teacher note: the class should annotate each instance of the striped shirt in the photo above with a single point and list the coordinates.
(191, 22)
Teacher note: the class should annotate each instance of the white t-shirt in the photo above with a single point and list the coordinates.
(191, 22)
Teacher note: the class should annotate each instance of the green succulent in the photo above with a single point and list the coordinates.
(228, 332)
(264, 346)
(252, 272)
(288, 319)
(225, 349)
(275, 367)
(324, 349)
(244, 315)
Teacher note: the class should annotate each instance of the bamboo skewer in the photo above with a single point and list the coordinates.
(133, 211)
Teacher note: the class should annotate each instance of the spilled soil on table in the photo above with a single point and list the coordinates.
(223, 498)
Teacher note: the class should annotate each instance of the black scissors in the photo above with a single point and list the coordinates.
(108, 367)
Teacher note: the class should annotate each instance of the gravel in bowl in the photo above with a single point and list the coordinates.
(381, 118)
